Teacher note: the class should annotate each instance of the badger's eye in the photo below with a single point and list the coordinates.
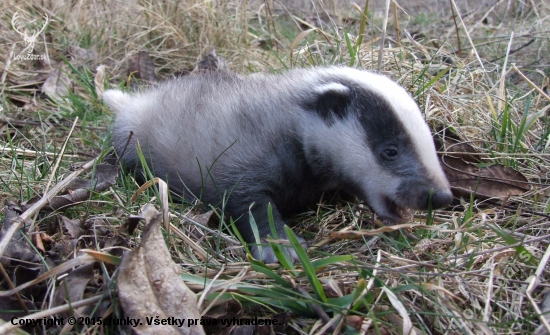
(389, 154)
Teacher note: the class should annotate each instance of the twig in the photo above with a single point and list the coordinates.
(534, 282)
(364, 15)
(63, 124)
(514, 51)
(459, 51)
(60, 156)
(535, 87)
(7, 67)
(510, 246)
(320, 312)
(125, 147)
(396, 23)
(10, 284)
(501, 89)
(469, 38)
(383, 38)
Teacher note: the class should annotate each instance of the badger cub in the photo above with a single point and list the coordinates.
(283, 139)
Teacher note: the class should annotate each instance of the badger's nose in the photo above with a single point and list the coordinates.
(441, 198)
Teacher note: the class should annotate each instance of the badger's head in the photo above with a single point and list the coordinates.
(368, 137)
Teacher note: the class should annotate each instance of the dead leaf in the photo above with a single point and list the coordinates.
(460, 163)
(63, 248)
(99, 82)
(10, 307)
(46, 238)
(208, 219)
(212, 62)
(131, 223)
(38, 243)
(72, 287)
(279, 323)
(24, 273)
(226, 310)
(57, 85)
(5, 130)
(455, 147)
(149, 284)
(74, 227)
(355, 321)
(79, 260)
(141, 68)
(81, 55)
(18, 247)
(104, 176)
(495, 181)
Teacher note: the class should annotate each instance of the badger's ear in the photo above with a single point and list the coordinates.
(331, 101)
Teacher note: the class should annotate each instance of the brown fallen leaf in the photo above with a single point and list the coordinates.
(141, 69)
(18, 247)
(57, 85)
(355, 321)
(460, 164)
(74, 227)
(495, 181)
(10, 307)
(211, 62)
(39, 243)
(99, 81)
(80, 55)
(149, 284)
(459, 148)
(225, 310)
(208, 219)
(72, 287)
(5, 130)
(46, 238)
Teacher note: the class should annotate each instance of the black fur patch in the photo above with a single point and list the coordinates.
(385, 130)
(331, 105)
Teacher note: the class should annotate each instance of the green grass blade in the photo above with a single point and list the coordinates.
(526, 256)
(306, 263)
(433, 80)
(331, 260)
(268, 272)
(279, 250)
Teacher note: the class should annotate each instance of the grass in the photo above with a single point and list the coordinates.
(466, 272)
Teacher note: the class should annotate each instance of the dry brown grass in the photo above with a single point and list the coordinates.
(464, 276)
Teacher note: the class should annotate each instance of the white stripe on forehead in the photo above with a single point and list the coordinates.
(404, 107)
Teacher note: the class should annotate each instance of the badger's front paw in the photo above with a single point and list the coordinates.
(268, 255)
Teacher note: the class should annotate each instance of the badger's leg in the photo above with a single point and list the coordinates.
(260, 214)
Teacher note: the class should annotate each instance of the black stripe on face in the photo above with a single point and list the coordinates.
(386, 134)
(385, 131)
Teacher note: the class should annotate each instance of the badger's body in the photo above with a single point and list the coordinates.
(283, 139)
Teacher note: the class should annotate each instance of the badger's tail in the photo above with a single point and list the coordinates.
(117, 100)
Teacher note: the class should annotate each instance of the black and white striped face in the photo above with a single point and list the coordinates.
(376, 143)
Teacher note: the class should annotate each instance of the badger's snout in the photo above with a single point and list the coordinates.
(421, 201)
(440, 198)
